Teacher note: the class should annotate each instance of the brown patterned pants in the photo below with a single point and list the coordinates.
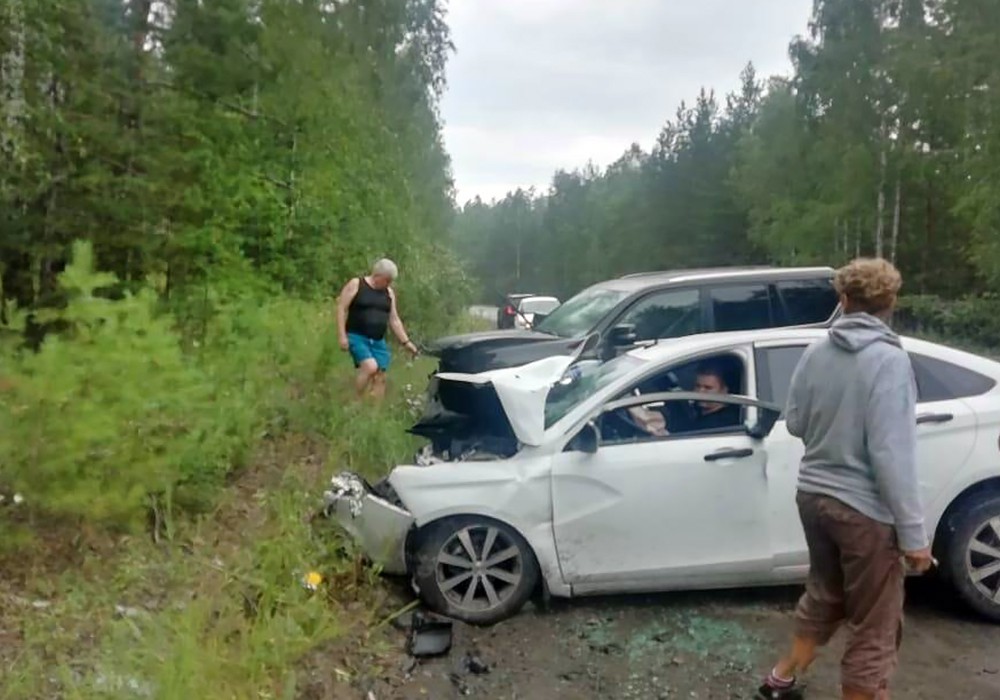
(855, 578)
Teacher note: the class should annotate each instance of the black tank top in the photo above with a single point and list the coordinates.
(368, 314)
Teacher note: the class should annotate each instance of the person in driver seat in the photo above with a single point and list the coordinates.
(710, 378)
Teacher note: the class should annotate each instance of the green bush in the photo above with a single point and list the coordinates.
(109, 410)
(971, 321)
(434, 292)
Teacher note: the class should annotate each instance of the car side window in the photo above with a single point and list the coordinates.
(775, 367)
(669, 419)
(938, 380)
(673, 418)
(807, 301)
(667, 314)
(741, 307)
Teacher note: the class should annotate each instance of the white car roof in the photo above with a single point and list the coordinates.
(664, 350)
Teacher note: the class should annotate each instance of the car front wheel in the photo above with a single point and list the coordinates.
(973, 556)
(474, 569)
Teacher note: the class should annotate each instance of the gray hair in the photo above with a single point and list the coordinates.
(385, 268)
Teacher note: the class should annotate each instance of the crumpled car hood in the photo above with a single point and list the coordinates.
(504, 403)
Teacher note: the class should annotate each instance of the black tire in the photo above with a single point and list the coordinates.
(970, 525)
(499, 590)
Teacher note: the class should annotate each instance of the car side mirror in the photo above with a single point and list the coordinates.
(764, 425)
(618, 339)
(622, 335)
(588, 439)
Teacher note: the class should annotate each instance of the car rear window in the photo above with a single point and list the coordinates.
(807, 301)
(938, 380)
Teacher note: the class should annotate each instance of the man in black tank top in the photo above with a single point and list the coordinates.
(365, 309)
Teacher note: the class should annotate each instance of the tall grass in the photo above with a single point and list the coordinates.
(224, 449)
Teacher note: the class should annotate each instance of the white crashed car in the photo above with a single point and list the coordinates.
(541, 476)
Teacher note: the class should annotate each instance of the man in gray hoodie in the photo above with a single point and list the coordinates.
(852, 401)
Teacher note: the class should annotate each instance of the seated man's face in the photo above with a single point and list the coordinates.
(710, 384)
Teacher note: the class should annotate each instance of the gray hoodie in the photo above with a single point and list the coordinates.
(853, 402)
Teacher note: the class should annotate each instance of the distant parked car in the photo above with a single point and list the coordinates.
(534, 310)
(649, 306)
(508, 311)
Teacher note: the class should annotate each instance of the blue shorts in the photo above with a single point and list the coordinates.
(363, 348)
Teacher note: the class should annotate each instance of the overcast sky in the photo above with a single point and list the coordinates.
(538, 85)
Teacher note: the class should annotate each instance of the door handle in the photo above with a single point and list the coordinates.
(934, 418)
(729, 454)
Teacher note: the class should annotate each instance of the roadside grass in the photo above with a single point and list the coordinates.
(471, 323)
(217, 608)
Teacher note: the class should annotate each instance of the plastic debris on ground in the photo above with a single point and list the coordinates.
(429, 635)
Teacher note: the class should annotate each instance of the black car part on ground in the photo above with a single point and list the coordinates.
(430, 635)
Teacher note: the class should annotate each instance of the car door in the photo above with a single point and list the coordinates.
(946, 426)
(775, 362)
(679, 510)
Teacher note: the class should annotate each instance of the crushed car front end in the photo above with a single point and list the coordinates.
(373, 516)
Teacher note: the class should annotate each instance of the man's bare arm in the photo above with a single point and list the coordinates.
(396, 324)
(347, 295)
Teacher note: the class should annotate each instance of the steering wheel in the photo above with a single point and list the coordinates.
(621, 426)
(626, 417)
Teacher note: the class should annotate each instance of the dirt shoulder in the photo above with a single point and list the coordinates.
(692, 645)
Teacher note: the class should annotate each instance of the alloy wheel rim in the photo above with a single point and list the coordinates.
(478, 568)
(982, 559)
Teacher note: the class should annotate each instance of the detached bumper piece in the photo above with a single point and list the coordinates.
(377, 525)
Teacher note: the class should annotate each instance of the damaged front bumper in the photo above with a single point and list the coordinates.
(379, 526)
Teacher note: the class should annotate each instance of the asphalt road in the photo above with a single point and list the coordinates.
(487, 313)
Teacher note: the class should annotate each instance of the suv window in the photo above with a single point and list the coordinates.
(938, 380)
(807, 301)
(742, 307)
(775, 367)
(667, 314)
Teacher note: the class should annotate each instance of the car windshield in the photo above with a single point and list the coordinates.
(580, 314)
(581, 381)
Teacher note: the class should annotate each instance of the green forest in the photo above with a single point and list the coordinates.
(883, 141)
(249, 146)
(188, 170)
(185, 185)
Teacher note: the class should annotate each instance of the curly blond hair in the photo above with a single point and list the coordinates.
(870, 284)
